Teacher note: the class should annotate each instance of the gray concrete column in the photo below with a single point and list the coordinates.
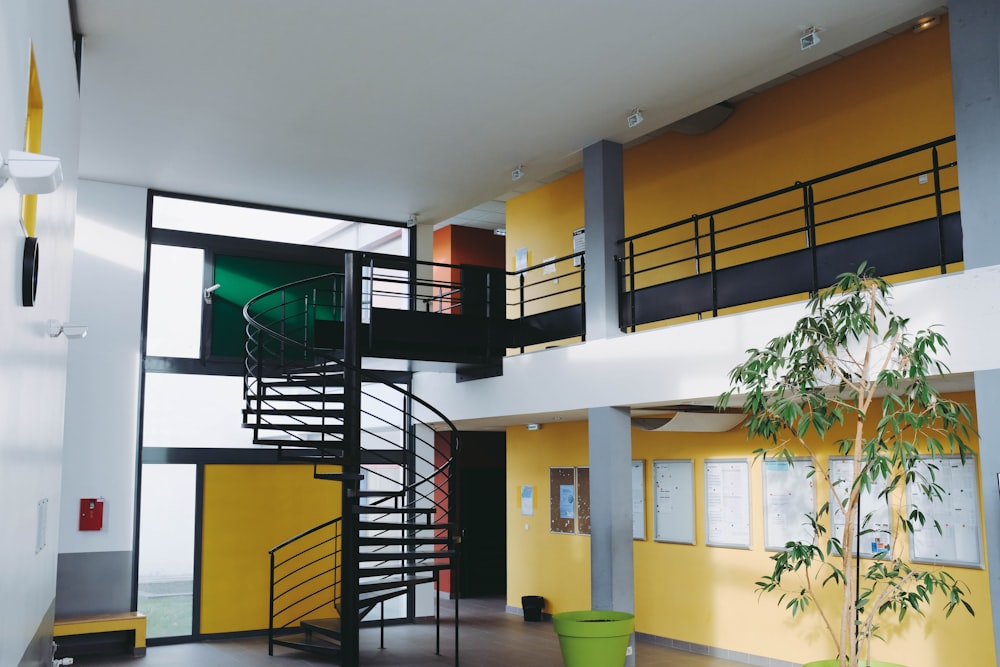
(975, 63)
(611, 567)
(975, 66)
(604, 225)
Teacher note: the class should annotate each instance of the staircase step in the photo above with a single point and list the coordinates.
(305, 428)
(339, 476)
(387, 509)
(402, 541)
(396, 525)
(401, 569)
(328, 627)
(306, 381)
(378, 556)
(310, 644)
(312, 397)
(368, 493)
(331, 457)
(400, 582)
(333, 448)
(293, 412)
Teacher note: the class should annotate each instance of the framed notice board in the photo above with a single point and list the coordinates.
(789, 494)
(569, 500)
(673, 500)
(878, 538)
(727, 503)
(957, 514)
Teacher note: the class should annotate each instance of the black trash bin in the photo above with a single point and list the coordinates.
(532, 606)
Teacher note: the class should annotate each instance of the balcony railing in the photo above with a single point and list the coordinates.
(899, 213)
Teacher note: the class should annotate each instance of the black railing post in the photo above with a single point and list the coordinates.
(631, 284)
(809, 204)
(713, 266)
(349, 621)
(697, 246)
(939, 209)
(520, 278)
(270, 612)
(620, 286)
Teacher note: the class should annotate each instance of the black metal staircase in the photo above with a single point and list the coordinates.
(315, 404)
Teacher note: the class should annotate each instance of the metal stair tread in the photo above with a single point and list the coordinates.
(307, 428)
(293, 412)
(379, 509)
(382, 526)
(402, 541)
(303, 643)
(369, 572)
(404, 581)
(403, 555)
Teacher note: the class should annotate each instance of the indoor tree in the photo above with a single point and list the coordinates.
(822, 380)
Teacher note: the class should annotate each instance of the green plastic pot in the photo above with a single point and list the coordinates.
(595, 638)
(836, 663)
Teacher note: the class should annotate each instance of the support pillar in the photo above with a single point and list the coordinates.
(611, 566)
(604, 225)
(975, 62)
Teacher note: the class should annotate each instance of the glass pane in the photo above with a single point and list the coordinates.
(251, 223)
(194, 411)
(176, 277)
(166, 549)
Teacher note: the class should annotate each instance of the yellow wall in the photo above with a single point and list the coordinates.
(555, 566)
(697, 593)
(248, 509)
(890, 97)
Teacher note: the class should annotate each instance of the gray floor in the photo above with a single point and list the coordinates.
(489, 638)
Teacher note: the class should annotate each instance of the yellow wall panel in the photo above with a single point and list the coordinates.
(540, 562)
(248, 509)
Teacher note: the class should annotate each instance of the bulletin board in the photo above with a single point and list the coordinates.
(638, 500)
(562, 500)
(673, 499)
(583, 501)
(957, 514)
(789, 494)
(727, 503)
(878, 539)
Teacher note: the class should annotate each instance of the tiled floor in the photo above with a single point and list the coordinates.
(489, 638)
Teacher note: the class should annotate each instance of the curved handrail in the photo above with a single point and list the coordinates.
(303, 534)
(365, 373)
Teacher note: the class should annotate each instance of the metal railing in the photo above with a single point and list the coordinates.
(546, 302)
(915, 185)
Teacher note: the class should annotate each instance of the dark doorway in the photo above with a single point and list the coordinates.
(482, 515)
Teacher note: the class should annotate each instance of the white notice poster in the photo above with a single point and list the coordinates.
(789, 494)
(673, 500)
(876, 537)
(727, 503)
(956, 515)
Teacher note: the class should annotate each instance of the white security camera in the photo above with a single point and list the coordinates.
(32, 173)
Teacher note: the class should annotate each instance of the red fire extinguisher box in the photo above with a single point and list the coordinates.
(91, 513)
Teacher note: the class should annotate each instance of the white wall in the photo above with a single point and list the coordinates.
(102, 417)
(33, 365)
(692, 361)
(102, 400)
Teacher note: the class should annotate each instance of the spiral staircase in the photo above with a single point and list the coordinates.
(308, 395)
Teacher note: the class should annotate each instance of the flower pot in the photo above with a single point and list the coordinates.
(593, 638)
(836, 663)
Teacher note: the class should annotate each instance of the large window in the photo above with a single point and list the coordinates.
(193, 384)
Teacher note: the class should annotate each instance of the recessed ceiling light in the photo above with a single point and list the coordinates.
(634, 117)
(926, 23)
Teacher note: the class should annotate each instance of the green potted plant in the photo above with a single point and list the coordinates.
(820, 381)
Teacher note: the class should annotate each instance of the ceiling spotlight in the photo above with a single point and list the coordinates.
(926, 23)
(500, 231)
(810, 38)
(411, 221)
(634, 117)
(517, 173)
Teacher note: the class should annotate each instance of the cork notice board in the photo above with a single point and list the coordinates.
(569, 500)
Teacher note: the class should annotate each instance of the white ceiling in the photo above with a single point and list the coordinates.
(385, 108)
